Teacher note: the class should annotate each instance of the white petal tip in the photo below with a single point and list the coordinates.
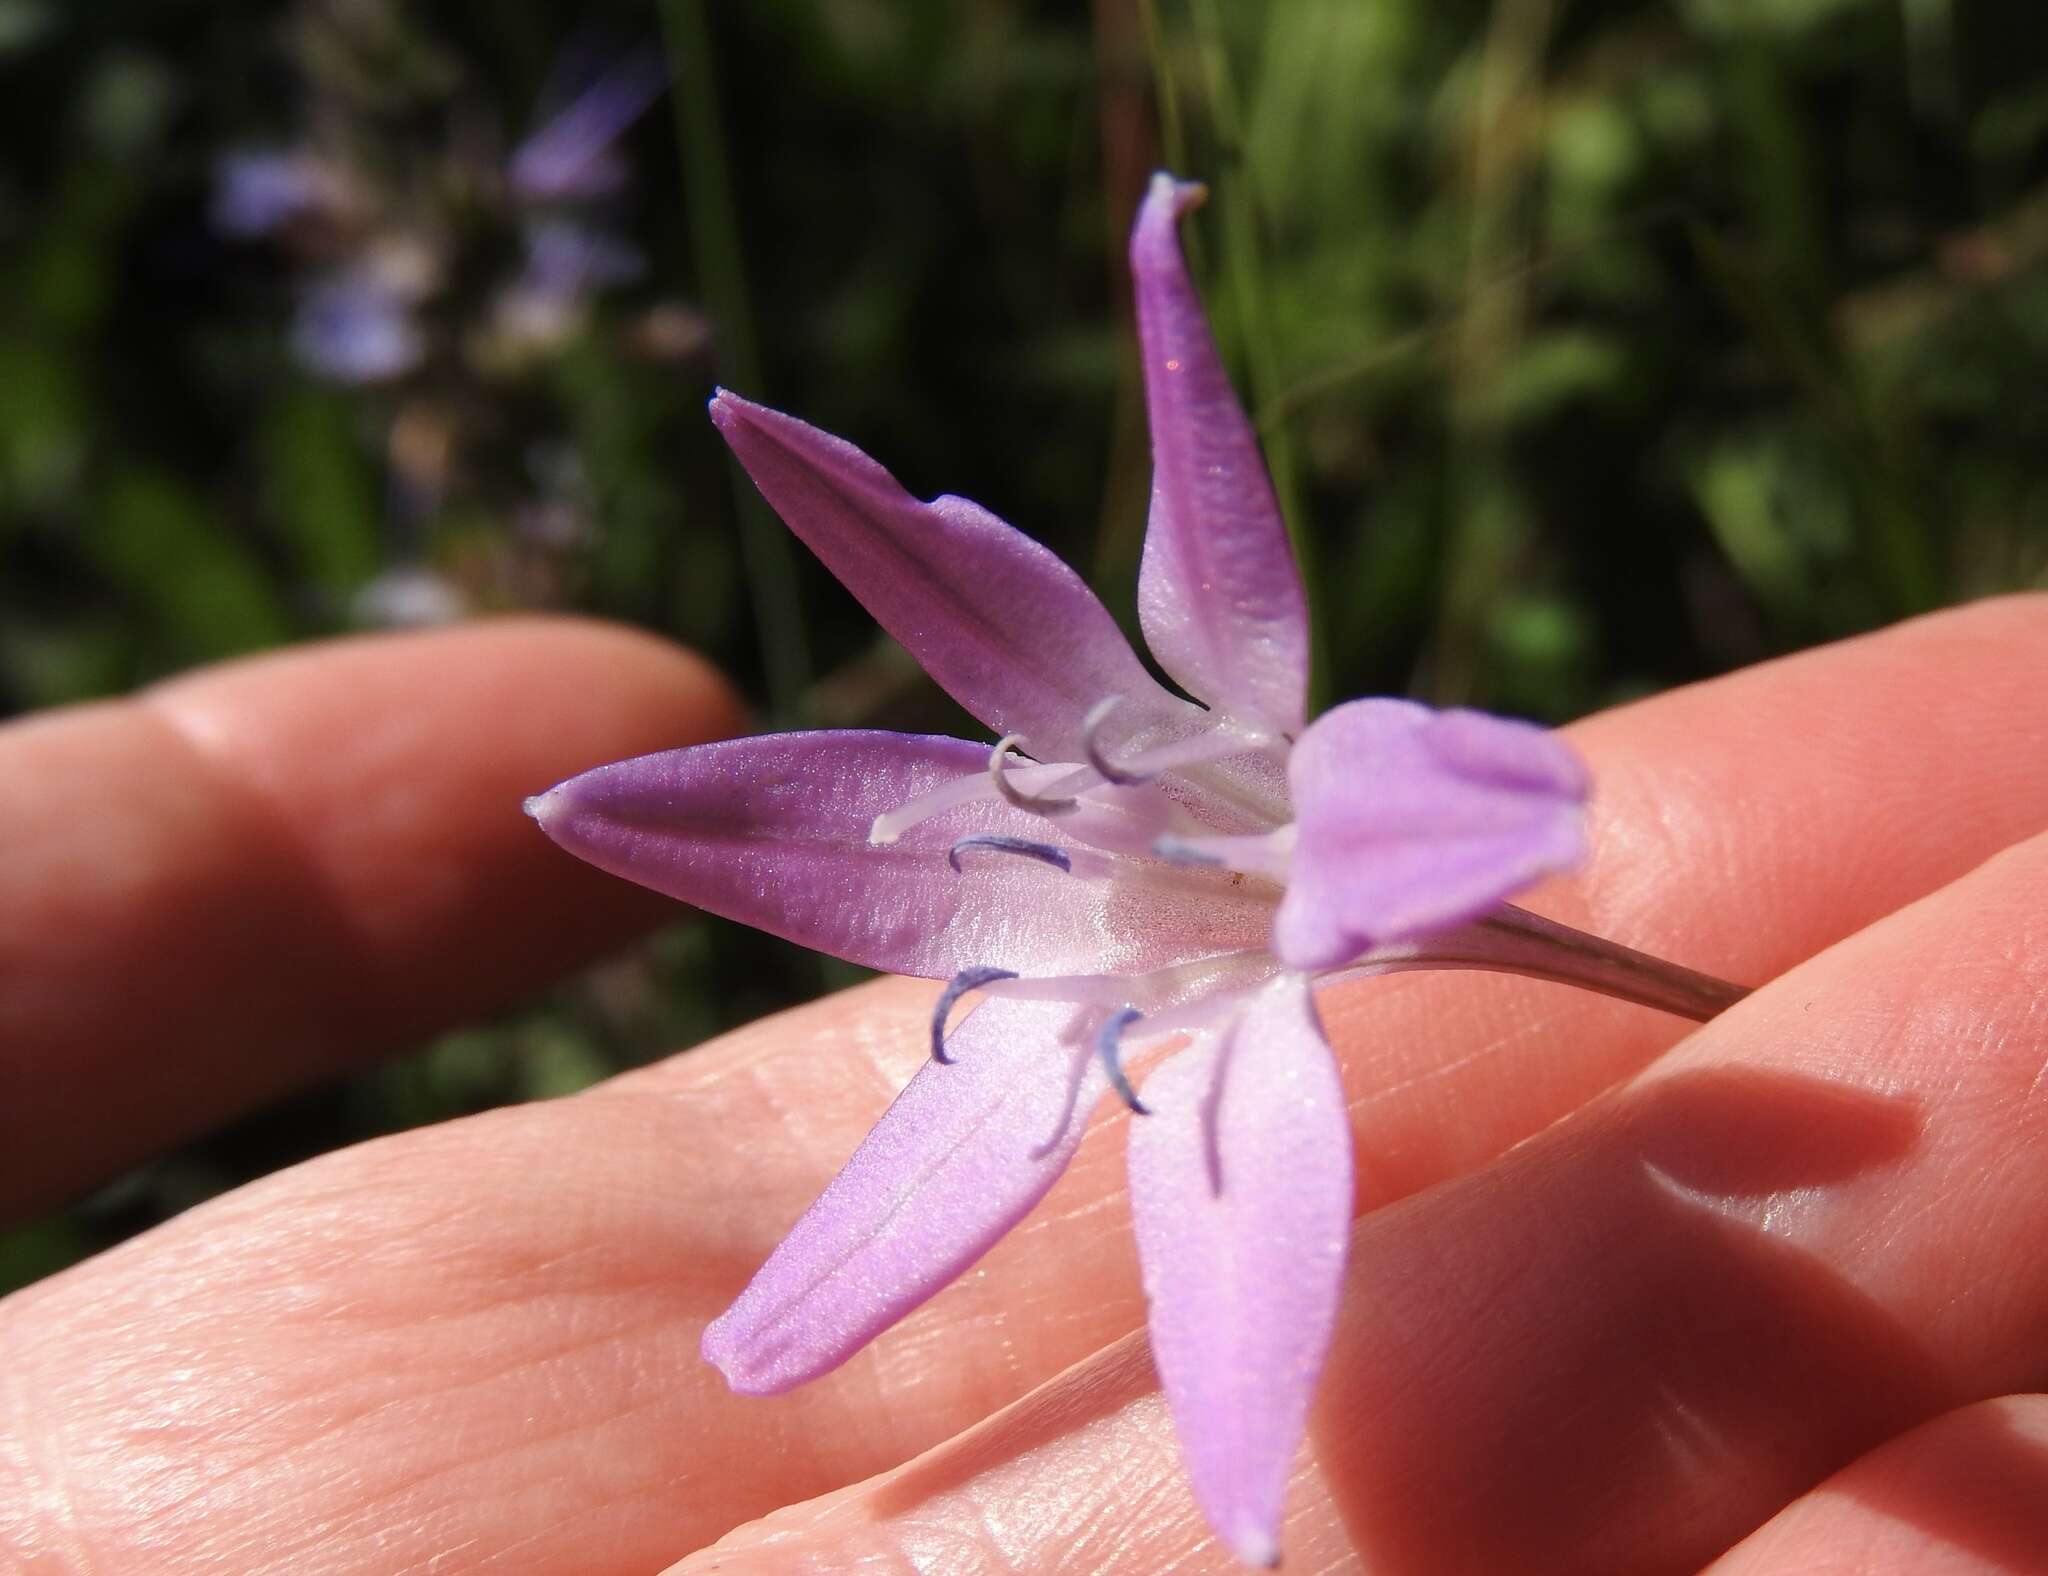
(744, 1364)
(1185, 196)
(541, 805)
(726, 1352)
(718, 1350)
(1257, 1547)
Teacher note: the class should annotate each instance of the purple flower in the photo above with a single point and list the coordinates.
(258, 191)
(571, 158)
(356, 326)
(1156, 871)
(546, 302)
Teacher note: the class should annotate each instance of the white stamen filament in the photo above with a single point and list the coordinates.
(1032, 804)
(976, 786)
(1091, 743)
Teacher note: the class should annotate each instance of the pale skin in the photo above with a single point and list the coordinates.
(1765, 1296)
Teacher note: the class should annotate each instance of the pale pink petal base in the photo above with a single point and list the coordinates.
(1241, 1200)
(961, 1156)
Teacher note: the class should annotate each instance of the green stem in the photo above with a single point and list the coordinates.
(721, 273)
(1512, 940)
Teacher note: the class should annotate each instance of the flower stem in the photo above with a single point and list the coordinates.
(771, 574)
(1512, 940)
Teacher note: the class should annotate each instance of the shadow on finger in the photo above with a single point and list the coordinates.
(1647, 1375)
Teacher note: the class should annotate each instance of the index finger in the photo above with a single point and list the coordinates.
(251, 877)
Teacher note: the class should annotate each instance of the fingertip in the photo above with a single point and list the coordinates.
(645, 684)
(301, 859)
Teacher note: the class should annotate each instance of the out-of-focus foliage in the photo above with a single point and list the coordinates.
(1597, 347)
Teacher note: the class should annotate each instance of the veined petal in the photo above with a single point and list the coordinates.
(1219, 595)
(1241, 1201)
(1409, 820)
(1004, 626)
(773, 831)
(960, 1158)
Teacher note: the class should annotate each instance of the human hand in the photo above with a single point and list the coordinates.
(1789, 1244)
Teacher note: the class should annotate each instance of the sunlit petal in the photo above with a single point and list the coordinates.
(1410, 820)
(773, 832)
(1219, 595)
(1004, 626)
(964, 1153)
(1241, 1200)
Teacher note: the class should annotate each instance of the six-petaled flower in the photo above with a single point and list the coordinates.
(1123, 868)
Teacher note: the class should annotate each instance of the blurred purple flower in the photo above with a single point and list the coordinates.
(1159, 869)
(564, 256)
(570, 158)
(565, 263)
(356, 327)
(258, 191)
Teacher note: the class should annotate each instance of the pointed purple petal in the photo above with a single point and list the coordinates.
(1219, 595)
(964, 1153)
(1241, 1200)
(1007, 629)
(1409, 820)
(773, 832)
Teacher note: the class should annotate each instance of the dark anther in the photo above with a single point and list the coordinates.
(956, 987)
(1091, 744)
(1106, 1040)
(995, 842)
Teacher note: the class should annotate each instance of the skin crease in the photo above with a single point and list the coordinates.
(475, 1345)
(1960, 1496)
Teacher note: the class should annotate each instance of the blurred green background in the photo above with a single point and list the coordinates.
(1597, 347)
